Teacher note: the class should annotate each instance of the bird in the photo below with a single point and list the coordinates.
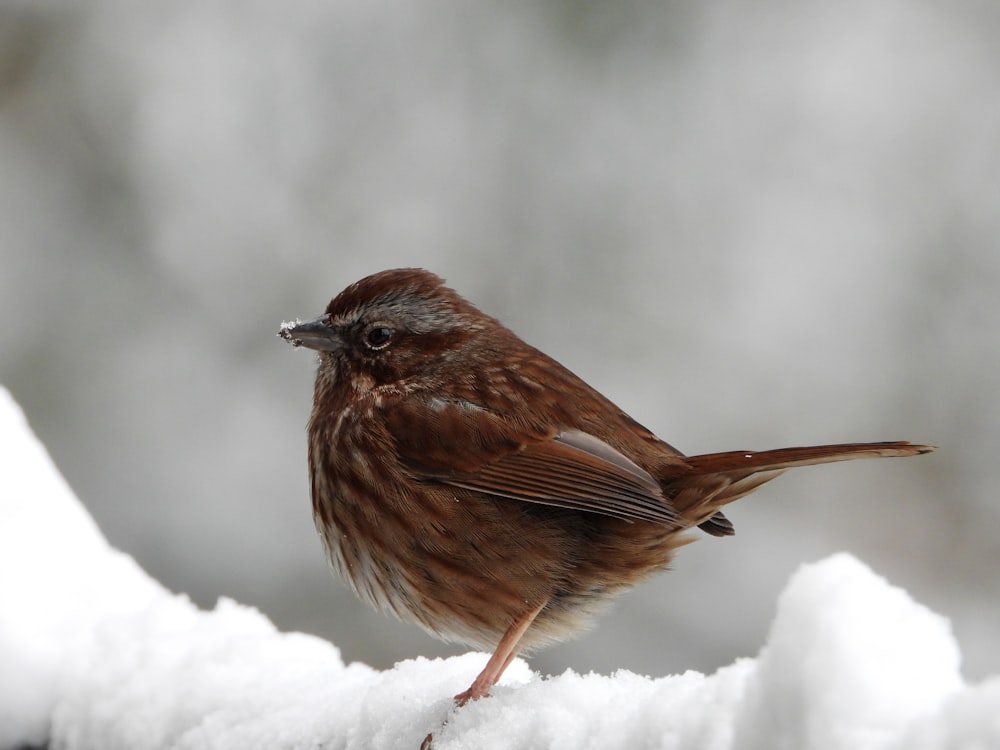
(463, 480)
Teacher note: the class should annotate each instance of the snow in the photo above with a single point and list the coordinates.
(96, 654)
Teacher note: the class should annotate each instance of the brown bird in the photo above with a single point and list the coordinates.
(468, 482)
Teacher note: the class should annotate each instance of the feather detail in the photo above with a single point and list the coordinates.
(713, 480)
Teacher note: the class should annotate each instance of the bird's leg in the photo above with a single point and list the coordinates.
(504, 654)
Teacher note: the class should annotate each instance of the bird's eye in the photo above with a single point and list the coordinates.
(378, 336)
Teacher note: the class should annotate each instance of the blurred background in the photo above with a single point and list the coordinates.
(751, 225)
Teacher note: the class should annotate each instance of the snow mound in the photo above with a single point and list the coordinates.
(95, 654)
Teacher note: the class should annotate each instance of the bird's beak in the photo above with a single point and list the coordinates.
(312, 334)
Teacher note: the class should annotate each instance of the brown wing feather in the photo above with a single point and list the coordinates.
(490, 454)
(565, 472)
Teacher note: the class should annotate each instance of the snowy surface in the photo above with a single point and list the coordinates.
(96, 654)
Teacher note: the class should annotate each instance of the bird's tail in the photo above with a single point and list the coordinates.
(713, 480)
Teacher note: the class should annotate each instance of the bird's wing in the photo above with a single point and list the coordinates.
(464, 445)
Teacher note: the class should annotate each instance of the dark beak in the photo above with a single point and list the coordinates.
(312, 334)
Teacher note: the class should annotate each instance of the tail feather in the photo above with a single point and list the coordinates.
(787, 458)
(713, 480)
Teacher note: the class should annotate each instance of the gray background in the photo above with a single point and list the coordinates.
(751, 225)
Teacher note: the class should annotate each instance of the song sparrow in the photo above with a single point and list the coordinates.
(466, 481)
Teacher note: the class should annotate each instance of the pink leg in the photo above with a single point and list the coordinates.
(504, 654)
